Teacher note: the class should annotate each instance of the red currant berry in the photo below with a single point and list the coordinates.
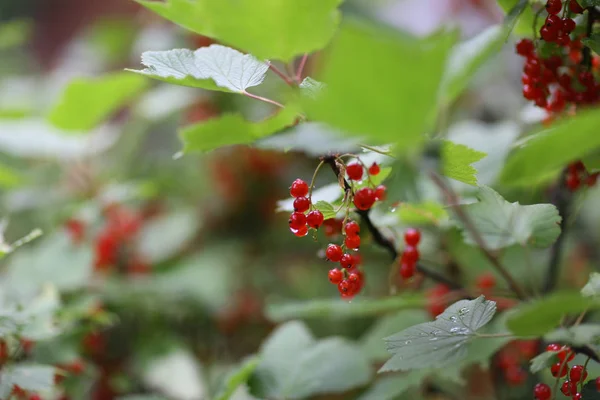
(299, 188)
(410, 254)
(592, 179)
(407, 270)
(380, 192)
(515, 376)
(34, 397)
(364, 198)
(575, 7)
(572, 182)
(352, 242)
(334, 252)
(335, 276)
(354, 171)
(314, 219)
(578, 373)
(566, 353)
(412, 237)
(569, 25)
(577, 396)
(525, 47)
(344, 287)
(301, 204)
(297, 220)
(597, 380)
(557, 371)
(541, 391)
(554, 22)
(374, 169)
(486, 281)
(352, 229)
(548, 34)
(554, 6)
(532, 67)
(553, 347)
(568, 388)
(528, 348)
(354, 278)
(347, 261)
(300, 232)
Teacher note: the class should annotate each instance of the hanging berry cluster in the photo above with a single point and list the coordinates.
(554, 75)
(410, 255)
(577, 175)
(513, 360)
(348, 277)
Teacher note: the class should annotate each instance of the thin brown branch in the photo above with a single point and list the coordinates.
(283, 76)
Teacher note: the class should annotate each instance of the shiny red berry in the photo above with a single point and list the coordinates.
(299, 188)
(553, 347)
(569, 25)
(334, 252)
(380, 192)
(352, 242)
(354, 171)
(578, 374)
(412, 237)
(566, 353)
(297, 220)
(525, 47)
(374, 169)
(300, 232)
(572, 182)
(347, 261)
(486, 281)
(335, 276)
(577, 396)
(548, 34)
(568, 388)
(301, 204)
(364, 198)
(410, 254)
(314, 219)
(352, 228)
(407, 270)
(553, 6)
(344, 287)
(575, 7)
(557, 371)
(597, 380)
(541, 391)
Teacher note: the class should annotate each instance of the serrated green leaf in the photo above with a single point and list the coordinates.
(236, 378)
(540, 316)
(214, 67)
(311, 87)
(232, 129)
(542, 361)
(86, 102)
(442, 342)
(326, 209)
(457, 160)
(592, 287)
(548, 151)
(580, 335)
(269, 29)
(337, 308)
(519, 17)
(502, 224)
(590, 391)
(428, 212)
(364, 96)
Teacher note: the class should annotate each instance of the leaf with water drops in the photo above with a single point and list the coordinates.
(442, 342)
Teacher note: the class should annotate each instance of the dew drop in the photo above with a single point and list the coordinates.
(408, 342)
(463, 311)
(453, 319)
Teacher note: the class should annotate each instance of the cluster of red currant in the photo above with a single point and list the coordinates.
(553, 75)
(578, 174)
(410, 255)
(512, 357)
(299, 220)
(349, 279)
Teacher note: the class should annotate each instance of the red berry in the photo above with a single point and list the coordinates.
(568, 388)
(314, 219)
(525, 47)
(299, 188)
(554, 6)
(532, 67)
(412, 237)
(528, 348)
(364, 198)
(76, 229)
(407, 270)
(410, 254)
(344, 287)
(380, 192)
(592, 179)
(334, 252)
(297, 220)
(557, 371)
(566, 353)
(553, 347)
(572, 182)
(597, 383)
(300, 232)
(515, 376)
(554, 22)
(354, 171)
(577, 396)
(486, 281)
(352, 242)
(335, 276)
(578, 373)
(575, 7)
(354, 278)
(541, 391)
(352, 229)
(347, 261)
(548, 34)
(374, 169)
(76, 367)
(34, 397)
(569, 25)
(301, 204)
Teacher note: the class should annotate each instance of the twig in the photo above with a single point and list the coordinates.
(381, 240)
(253, 96)
(283, 76)
(453, 202)
(301, 67)
(587, 52)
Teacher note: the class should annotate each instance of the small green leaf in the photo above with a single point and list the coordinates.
(236, 378)
(502, 224)
(457, 160)
(543, 361)
(364, 96)
(442, 342)
(580, 335)
(232, 129)
(540, 316)
(592, 287)
(542, 154)
(86, 102)
(428, 212)
(589, 3)
(593, 42)
(390, 387)
(214, 67)
(311, 87)
(326, 209)
(519, 16)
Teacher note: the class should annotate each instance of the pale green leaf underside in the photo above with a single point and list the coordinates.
(214, 68)
(457, 160)
(269, 29)
(442, 342)
(311, 87)
(580, 335)
(236, 378)
(232, 129)
(502, 224)
(592, 287)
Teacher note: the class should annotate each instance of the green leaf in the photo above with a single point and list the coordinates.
(311, 87)
(338, 308)
(580, 335)
(502, 224)
(232, 129)
(519, 16)
(590, 391)
(9, 177)
(442, 342)
(86, 102)
(468, 57)
(428, 212)
(543, 361)
(457, 160)
(33, 377)
(540, 316)
(589, 3)
(592, 287)
(390, 387)
(546, 152)
(294, 365)
(593, 42)
(381, 85)
(236, 378)
(269, 29)
(14, 33)
(326, 209)
(214, 67)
